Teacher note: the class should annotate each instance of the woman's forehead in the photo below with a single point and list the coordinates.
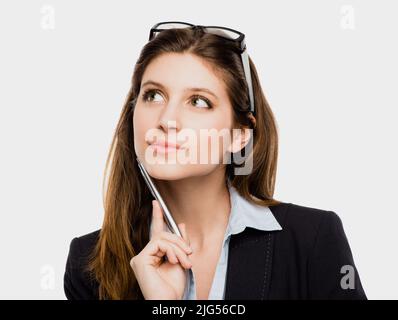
(181, 71)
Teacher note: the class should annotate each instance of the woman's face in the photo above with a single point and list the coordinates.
(182, 101)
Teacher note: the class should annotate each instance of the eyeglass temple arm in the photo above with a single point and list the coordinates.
(246, 68)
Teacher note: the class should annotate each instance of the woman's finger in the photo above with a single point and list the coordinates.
(157, 224)
(181, 255)
(169, 250)
(162, 247)
(176, 240)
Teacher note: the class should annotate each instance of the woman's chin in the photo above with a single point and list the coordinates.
(168, 171)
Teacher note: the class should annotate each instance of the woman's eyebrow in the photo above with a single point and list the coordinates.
(186, 89)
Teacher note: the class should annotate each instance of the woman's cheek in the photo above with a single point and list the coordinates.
(211, 148)
(140, 130)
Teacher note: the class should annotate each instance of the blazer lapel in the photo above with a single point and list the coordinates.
(250, 261)
(249, 265)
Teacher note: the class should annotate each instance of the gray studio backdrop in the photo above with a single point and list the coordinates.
(328, 69)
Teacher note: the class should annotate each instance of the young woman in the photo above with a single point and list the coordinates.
(238, 242)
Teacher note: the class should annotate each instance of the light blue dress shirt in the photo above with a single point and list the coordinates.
(243, 214)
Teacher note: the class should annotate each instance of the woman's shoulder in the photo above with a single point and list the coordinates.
(306, 228)
(78, 282)
(80, 248)
(84, 244)
(315, 239)
(305, 220)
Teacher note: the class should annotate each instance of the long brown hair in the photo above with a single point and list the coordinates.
(127, 202)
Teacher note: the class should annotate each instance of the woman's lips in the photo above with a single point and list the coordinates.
(165, 146)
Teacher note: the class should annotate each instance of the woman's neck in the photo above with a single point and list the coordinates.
(202, 203)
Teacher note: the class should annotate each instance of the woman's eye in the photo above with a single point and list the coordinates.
(205, 102)
(149, 95)
(197, 101)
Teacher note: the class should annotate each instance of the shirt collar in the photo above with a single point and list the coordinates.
(246, 214)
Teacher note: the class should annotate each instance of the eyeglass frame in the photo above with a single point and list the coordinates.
(242, 45)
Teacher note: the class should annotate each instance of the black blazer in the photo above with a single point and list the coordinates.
(304, 260)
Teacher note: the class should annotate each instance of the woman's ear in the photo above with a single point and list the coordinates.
(240, 138)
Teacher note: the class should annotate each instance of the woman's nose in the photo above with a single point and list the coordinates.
(169, 118)
(167, 125)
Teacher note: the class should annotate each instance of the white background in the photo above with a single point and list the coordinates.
(328, 68)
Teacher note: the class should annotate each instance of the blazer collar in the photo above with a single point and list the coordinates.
(247, 214)
(250, 260)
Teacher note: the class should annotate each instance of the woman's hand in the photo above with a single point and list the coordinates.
(162, 279)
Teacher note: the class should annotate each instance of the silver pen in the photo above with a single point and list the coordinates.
(166, 213)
